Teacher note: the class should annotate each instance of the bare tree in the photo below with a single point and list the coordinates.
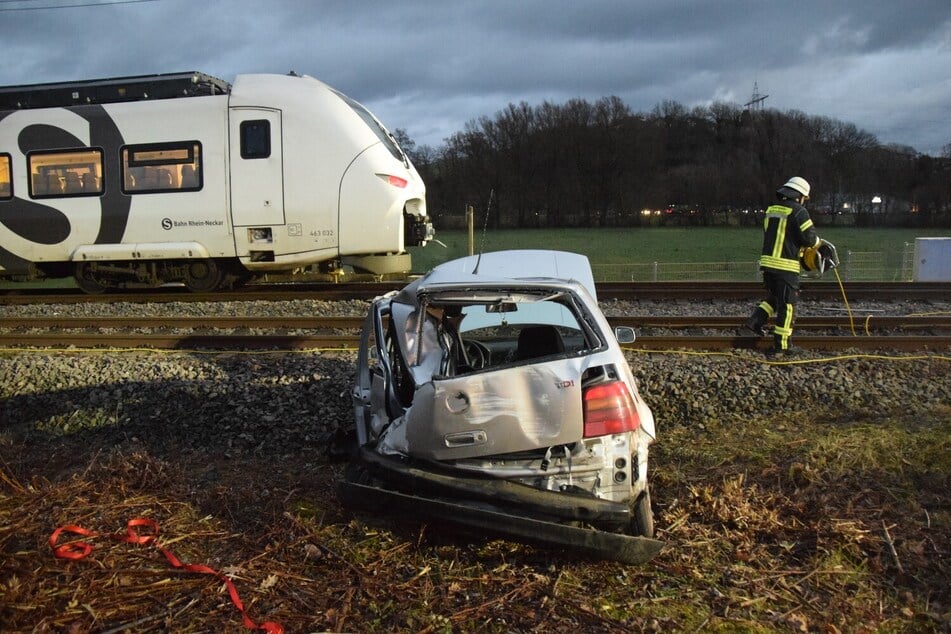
(588, 164)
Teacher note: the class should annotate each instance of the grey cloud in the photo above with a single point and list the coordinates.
(430, 66)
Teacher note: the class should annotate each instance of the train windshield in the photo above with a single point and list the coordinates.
(388, 141)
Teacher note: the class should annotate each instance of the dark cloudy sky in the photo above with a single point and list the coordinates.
(430, 66)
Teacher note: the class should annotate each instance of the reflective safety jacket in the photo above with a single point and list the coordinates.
(786, 229)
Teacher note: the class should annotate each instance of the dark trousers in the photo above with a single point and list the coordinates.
(782, 295)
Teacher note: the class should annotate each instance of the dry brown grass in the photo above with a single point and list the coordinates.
(823, 525)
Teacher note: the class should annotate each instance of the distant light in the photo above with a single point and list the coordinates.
(876, 200)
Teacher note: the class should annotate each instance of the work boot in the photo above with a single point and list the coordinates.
(791, 351)
(758, 329)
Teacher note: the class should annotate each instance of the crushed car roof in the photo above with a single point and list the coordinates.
(505, 267)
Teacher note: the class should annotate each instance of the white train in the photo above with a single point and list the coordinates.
(139, 181)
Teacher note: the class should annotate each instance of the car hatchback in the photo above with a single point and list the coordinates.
(493, 392)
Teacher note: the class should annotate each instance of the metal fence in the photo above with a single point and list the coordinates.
(853, 265)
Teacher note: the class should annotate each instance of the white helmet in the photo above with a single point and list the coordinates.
(798, 184)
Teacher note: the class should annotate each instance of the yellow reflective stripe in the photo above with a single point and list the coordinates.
(782, 264)
(805, 225)
(767, 308)
(780, 236)
(784, 331)
(778, 210)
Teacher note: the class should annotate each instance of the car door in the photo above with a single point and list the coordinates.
(383, 387)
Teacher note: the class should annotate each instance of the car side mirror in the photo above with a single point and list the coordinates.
(624, 334)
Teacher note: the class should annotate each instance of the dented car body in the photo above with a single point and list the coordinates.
(493, 393)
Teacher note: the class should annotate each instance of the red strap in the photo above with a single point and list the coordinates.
(133, 537)
(79, 549)
(72, 550)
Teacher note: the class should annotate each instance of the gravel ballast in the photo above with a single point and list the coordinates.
(284, 403)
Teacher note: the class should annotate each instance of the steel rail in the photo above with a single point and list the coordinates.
(811, 290)
(349, 342)
(859, 322)
(180, 342)
(265, 323)
(937, 343)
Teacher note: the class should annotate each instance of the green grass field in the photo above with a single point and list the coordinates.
(642, 246)
(657, 244)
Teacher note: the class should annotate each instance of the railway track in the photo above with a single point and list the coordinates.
(880, 332)
(811, 290)
(865, 324)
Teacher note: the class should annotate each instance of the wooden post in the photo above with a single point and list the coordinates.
(470, 223)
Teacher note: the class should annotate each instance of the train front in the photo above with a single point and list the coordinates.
(350, 193)
(382, 177)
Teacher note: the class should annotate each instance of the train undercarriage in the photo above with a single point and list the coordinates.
(200, 275)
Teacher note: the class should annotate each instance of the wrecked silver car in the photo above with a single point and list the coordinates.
(492, 393)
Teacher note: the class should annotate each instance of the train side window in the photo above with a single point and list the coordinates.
(63, 173)
(255, 139)
(6, 180)
(161, 167)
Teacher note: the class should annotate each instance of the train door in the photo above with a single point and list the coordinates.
(257, 170)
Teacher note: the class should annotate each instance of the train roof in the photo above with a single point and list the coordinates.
(111, 90)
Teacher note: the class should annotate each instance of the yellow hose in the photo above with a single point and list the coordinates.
(846, 300)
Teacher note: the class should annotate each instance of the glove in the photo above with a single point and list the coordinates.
(828, 256)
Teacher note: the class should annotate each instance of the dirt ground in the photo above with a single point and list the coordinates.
(837, 523)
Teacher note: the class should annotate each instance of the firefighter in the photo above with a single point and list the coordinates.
(787, 229)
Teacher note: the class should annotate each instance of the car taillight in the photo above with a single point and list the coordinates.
(609, 409)
(395, 181)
